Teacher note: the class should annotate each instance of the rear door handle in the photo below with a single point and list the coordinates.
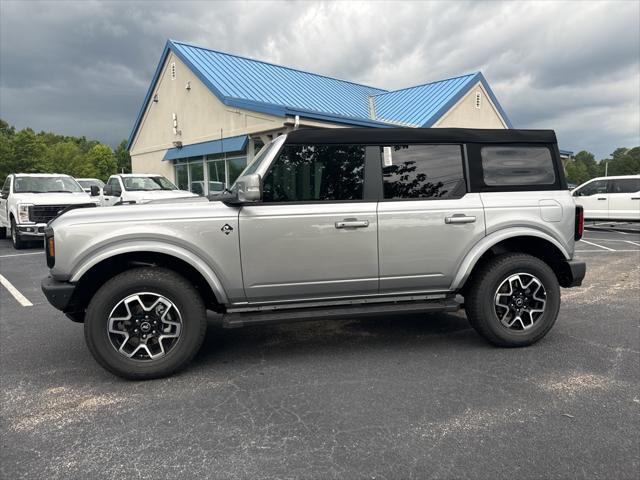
(635, 198)
(352, 223)
(459, 218)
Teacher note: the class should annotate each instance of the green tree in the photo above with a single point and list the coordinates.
(67, 157)
(123, 158)
(624, 162)
(577, 172)
(103, 160)
(22, 152)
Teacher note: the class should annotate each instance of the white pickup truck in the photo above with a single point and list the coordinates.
(138, 188)
(29, 200)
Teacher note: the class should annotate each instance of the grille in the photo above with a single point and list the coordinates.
(44, 213)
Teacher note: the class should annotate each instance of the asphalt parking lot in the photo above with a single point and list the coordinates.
(387, 398)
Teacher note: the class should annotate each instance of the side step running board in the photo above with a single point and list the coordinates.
(242, 319)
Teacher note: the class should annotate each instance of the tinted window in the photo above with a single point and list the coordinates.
(316, 172)
(592, 188)
(509, 166)
(7, 183)
(116, 191)
(624, 185)
(182, 176)
(423, 171)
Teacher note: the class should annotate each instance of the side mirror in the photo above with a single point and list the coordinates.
(4, 195)
(107, 190)
(95, 191)
(249, 188)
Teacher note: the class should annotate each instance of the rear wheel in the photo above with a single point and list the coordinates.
(17, 241)
(145, 323)
(513, 300)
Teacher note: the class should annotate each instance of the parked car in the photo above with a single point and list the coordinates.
(139, 188)
(29, 200)
(87, 183)
(610, 198)
(329, 224)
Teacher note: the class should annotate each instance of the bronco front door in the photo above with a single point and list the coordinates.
(314, 235)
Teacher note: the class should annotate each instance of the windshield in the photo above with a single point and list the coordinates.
(90, 183)
(46, 185)
(147, 184)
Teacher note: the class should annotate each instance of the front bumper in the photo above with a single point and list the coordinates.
(31, 229)
(572, 273)
(58, 293)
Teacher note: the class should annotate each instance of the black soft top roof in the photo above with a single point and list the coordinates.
(377, 136)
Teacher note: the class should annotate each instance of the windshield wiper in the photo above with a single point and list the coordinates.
(59, 191)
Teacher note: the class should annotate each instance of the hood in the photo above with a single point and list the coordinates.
(147, 196)
(54, 198)
(119, 215)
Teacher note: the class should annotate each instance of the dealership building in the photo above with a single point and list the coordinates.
(207, 113)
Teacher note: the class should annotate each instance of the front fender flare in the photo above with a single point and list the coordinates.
(469, 262)
(156, 247)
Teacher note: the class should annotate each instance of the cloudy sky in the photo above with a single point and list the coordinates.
(82, 68)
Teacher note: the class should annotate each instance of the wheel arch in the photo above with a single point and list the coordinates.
(530, 241)
(92, 274)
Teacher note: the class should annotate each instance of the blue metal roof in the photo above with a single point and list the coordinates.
(224, 145)
(273, 89)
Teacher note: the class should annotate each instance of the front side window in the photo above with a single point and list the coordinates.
(624, 185)
(316, 172)
(137, 184)
(593, 188)
(422, 171)
(6, 185)
(116, 190)
(517, 166)
(46, 185)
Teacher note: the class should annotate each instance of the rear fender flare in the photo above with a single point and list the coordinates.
(471, 259)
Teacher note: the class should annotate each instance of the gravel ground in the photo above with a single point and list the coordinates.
(395, 397)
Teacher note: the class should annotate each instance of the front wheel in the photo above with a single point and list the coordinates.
(17, 241)
(513, 300)
(145, 323)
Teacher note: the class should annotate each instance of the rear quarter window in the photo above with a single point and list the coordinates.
(510, 166)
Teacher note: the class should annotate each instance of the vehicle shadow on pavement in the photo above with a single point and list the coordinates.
(334, 336)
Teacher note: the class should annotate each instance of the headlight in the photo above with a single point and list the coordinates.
(23, 212)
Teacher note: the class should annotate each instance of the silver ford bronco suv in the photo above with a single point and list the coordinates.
(328, 224)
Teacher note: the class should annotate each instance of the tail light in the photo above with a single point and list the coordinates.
(579, 229)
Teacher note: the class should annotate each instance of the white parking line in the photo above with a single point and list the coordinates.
(596, 245)
(22, 300)
(604, 251)
(632, 243)
(21, 254)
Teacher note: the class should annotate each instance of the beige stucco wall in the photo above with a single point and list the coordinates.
(151, 162)
(200, 115)
(464, 114)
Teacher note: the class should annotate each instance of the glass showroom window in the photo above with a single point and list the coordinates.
(217, 179)
(182, 176)
(223, 172)
(196, 177)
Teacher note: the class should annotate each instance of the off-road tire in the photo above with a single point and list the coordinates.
(480, 293)
(166, 283)
(17, 241)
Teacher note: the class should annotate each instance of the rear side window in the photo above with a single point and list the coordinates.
(509, 166)
(303, 173)
(422, 171)
(624, 185)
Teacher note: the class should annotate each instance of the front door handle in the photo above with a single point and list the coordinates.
(352, 223)
(601, 198)
(459, 218)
